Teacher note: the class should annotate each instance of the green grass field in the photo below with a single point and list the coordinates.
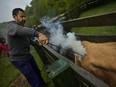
(97, 30)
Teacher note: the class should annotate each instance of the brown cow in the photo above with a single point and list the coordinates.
(101, 61)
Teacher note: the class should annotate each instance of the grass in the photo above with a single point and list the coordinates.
(8, 73)
(97, 30)
(41, 66)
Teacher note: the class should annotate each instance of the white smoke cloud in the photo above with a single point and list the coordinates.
(58, 38)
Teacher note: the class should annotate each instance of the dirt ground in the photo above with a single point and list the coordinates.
(20, 82)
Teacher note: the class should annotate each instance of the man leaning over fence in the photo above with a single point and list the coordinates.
(18, 38)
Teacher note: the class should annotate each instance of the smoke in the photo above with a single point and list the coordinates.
(59, 39)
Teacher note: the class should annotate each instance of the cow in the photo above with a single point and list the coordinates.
(100, 61)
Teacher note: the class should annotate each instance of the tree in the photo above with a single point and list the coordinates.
(40, 8)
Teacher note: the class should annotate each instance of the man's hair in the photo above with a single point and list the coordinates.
(16, 11)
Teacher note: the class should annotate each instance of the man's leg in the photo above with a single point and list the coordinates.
(28, 71)
(35, 67)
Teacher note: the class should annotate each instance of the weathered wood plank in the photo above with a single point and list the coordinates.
(85, 76)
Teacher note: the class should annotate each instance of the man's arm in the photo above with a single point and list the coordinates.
(17, 30)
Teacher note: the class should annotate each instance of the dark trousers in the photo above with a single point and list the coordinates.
(30, 70)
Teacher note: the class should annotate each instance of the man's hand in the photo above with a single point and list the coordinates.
(43, 39)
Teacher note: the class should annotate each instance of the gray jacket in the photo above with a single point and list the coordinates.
(18, 38)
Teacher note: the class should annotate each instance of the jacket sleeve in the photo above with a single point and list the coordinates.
(17, 30)
(34, 42)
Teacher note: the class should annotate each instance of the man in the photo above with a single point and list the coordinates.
(19, 47)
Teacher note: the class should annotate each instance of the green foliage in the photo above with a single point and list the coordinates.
(51, 8)
(101, 9)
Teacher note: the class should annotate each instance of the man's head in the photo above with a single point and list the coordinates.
(19, 15)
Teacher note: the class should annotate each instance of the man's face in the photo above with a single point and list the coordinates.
(20, 18)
